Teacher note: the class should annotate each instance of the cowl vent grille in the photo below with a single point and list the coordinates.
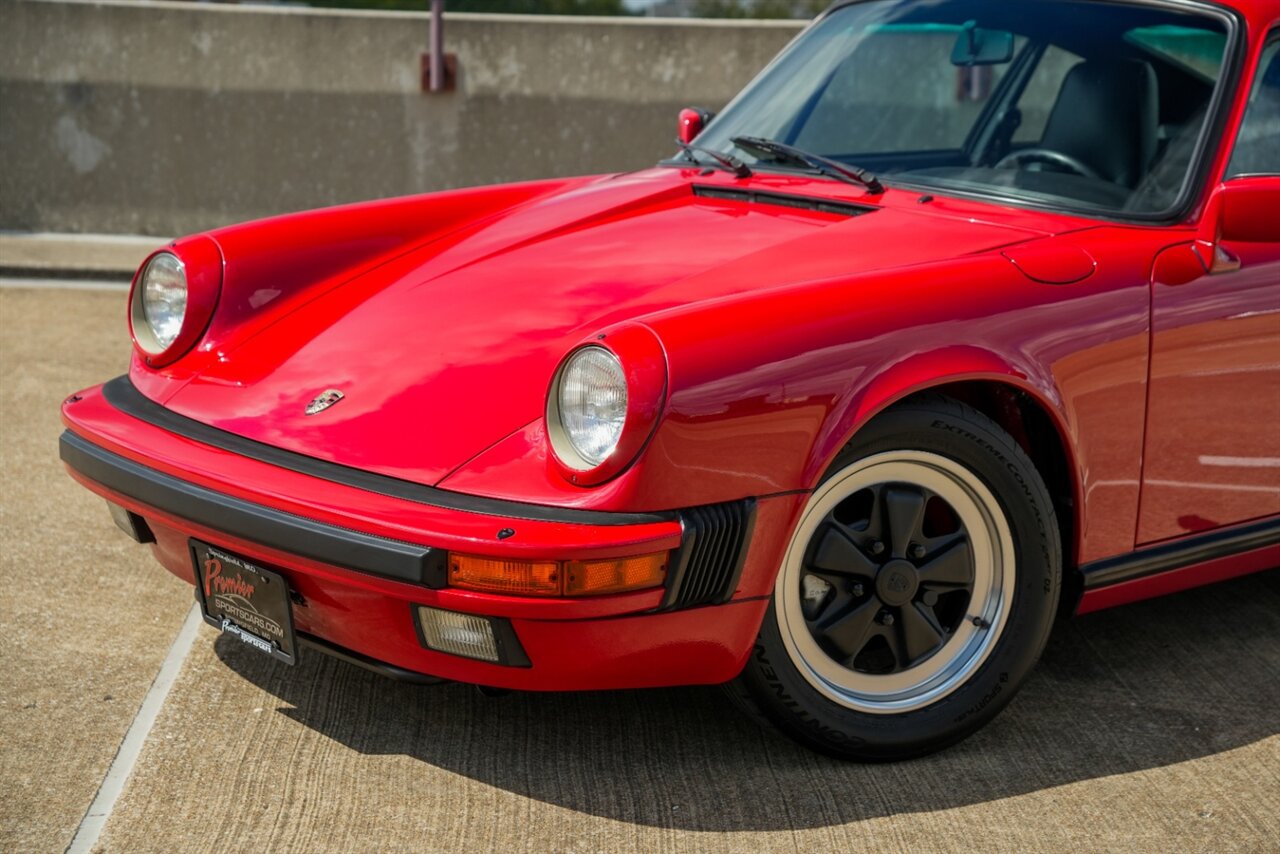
(707, 567)
(786, 200)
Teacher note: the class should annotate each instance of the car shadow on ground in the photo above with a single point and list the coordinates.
(1133, 688)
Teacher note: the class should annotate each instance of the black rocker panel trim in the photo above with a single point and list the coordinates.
(267, 526)
(1184, 552)
(122, 395)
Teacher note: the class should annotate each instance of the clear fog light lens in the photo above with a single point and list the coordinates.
(164, 298)
(459, 634)
(593, 403)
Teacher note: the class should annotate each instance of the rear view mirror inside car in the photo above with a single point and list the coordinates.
(975, 46)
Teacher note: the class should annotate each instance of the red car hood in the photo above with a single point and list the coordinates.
(447, 350)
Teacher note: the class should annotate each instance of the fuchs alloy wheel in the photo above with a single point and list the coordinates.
(916, 593)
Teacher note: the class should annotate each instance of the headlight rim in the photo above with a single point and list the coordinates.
(144, 335)
(202, 263)
(558, 432)
(644, 369)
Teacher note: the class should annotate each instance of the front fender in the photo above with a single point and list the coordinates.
(933, 369)
(765, 395)
(765, 387)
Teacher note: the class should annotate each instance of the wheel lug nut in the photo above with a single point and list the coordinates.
(916, 551)
(857, 590)
(930, 598)
(877, 547)
(886, 619)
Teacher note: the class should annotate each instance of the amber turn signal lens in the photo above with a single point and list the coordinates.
(557, 578)
(589, 577)
(493, 575)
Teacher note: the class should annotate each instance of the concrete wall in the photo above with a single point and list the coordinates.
(167, 118)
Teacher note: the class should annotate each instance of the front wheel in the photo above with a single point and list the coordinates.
(916, 593)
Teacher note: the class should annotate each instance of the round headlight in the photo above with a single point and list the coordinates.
(160, 303)
(592, 403)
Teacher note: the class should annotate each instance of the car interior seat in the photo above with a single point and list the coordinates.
(1107, 116)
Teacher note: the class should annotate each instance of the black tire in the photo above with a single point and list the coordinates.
(820, 703)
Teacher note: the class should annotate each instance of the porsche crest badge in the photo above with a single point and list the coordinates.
(323, 401)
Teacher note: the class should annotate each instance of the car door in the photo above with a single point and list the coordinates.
(1212, 450)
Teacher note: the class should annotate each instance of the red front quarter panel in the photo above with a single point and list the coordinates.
(766, 388)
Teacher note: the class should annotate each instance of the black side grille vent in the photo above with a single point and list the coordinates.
(706, 569)
(786, 200)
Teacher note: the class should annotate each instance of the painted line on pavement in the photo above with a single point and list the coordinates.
(127, 756)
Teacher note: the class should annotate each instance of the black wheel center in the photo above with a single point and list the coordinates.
(896, 583)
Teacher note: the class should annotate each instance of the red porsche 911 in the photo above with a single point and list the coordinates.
(963, 316)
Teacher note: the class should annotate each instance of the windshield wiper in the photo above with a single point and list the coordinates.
(823, 165)
(724, 161)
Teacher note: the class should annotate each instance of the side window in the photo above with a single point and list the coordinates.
(1042, 92)
(1257, 150)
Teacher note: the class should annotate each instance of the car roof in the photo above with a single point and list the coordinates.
(1258, 12)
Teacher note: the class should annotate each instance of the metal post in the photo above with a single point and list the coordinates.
(437, 45)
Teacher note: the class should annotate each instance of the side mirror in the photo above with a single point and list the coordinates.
(692, 121)
(1250, 210)
(1243, 210)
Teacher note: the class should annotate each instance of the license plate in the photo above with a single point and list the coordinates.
(245, 601)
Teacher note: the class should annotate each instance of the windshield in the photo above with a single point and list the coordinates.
(1095, 106)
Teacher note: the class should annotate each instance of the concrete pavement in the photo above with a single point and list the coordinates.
(84, 621)
(1153, 727)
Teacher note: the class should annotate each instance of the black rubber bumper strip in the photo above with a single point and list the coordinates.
(266, 526)
(122, 395)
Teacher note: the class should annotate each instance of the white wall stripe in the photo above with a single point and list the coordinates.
(1242, 462)
(35, 283)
